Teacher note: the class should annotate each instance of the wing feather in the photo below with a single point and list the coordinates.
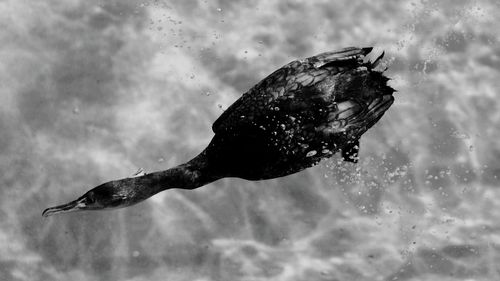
(284, 83)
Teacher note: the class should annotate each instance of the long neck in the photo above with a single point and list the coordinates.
(190, 175)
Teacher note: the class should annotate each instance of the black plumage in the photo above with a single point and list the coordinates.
(303, 112)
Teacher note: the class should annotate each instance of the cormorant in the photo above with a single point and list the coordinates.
(303, 112)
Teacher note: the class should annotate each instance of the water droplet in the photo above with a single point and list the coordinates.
(135, 254)
(160, 160)
(311, 153)
(76, 110)
(471, 148)
(192, 76)
(460, 135)
(219, 10)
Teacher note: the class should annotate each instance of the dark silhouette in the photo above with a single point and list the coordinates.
(303, 112)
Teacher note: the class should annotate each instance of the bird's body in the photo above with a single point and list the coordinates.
(303, 112)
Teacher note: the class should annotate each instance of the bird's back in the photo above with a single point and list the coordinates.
(300, 114)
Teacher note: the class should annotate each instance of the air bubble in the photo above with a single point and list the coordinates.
(460, 135)
(311, 153)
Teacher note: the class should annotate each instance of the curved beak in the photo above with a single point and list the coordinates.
(72, 206)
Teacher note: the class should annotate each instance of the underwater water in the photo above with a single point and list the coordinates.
(94, 90)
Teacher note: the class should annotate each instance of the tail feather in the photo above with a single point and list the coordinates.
(365, 98)
(372, 113)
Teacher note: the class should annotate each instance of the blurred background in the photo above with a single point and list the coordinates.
(94, 90)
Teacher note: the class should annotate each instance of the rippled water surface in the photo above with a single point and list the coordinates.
(93, 90)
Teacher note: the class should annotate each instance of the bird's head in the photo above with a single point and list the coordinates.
(110, 195)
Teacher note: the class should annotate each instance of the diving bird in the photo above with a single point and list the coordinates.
(300, 114)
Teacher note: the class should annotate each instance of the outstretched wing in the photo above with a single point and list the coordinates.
(290, 80)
